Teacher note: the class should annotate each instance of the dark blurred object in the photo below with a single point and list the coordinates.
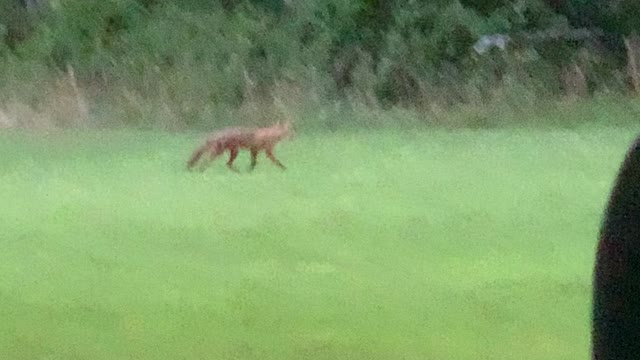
(616, 301)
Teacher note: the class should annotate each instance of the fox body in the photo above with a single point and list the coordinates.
(236, 138)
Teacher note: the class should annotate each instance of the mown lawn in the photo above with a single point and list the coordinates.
(372, 245)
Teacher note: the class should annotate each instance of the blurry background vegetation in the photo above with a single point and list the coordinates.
(196, 64)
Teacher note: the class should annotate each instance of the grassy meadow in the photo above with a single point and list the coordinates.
(380, 244)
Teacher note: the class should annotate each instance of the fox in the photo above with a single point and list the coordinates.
(254, 139)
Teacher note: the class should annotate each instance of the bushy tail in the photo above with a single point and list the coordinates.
(197, 155)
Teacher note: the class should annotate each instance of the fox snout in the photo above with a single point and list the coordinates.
(291, 134)
(288, 131)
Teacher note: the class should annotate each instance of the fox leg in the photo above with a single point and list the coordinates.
(254, 158)
(233, 154)
(273, 158)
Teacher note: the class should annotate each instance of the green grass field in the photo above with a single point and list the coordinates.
(381, 245)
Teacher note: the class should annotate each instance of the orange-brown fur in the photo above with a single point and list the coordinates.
(236, 138)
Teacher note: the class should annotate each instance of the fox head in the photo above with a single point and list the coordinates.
(285, 129)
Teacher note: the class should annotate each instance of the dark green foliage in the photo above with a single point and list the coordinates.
(196, 54)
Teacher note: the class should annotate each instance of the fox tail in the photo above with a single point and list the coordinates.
(197, 154)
